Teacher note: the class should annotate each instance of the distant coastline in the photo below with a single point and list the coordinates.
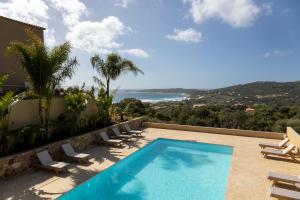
(170, 90)
(151, 96)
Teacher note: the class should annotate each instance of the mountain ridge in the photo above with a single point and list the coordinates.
(258, 87)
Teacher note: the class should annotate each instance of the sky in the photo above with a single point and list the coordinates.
(200, 44)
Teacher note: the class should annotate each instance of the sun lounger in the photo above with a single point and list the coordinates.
(287, 152)
(119, 135)
(284, 193)
(280, 145)
(132, 132)
(107, 140)
(48, 163)
(71, 154)
(284, 178)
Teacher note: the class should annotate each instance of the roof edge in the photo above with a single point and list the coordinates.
(25, 23)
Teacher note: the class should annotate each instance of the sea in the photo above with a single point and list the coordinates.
(151, 97)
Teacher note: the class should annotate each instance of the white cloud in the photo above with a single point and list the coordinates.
(268, 8)
(49, 37)
(237, 13)
(276, 53)
(71, 10)
(122, 3)
(136, 52)
(189, 36)
(30, 11)
(91, 36)
(98, 37)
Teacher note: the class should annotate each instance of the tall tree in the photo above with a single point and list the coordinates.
(111, 69)
(46, 68)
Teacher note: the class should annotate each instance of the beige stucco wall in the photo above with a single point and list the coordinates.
(293, 136)
(224, 131)
(26, 112)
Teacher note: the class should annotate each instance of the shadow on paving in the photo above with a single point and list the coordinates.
(29, 186)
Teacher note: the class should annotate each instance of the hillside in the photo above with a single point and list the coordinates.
(171, 90)
(261, 92)
(252, 93)
(262, 88)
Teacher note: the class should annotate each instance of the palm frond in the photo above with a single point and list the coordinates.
(65, 71)
(128, 65)
(59, 55)
(99, 82)
(99, 65)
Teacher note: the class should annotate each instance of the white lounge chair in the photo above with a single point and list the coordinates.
(132, 132)
(283, 178)
(118, 134)
(284, 193)
(107, 140)
(48, 163)
(286, 152)
(280, 145)
(70, 153)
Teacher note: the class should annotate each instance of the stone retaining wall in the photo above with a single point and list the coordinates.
(17, 163)
(224, 131)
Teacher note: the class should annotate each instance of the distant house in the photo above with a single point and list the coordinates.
(238, 104)
(200, 105)
(13, 30)
(250, 110)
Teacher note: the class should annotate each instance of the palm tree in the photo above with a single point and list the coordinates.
(111, 69)
(7, 101)
(46, 68)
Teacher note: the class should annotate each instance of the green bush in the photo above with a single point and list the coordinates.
(280, 125)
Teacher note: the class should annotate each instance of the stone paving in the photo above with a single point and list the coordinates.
(247, 177)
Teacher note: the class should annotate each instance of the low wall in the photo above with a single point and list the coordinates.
(224, 131)
(26, 112)
(17, 163)
(293, 136)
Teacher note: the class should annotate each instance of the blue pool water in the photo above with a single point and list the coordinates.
(163, 170)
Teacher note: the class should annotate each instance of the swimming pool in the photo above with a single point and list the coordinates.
(164, 169)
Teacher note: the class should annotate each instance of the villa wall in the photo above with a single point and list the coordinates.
(26, 112)
(224, 131)
(20, 162)
(13, 30)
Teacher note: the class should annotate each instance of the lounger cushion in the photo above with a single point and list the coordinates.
(284, 193)
(278, 152)
(283, 142)
(47, 162)
(114, 141)
(68, 149)
(288, 149)
(104, 136)
(272, 151)
(118, 133)
(55, 164)
(283, 177)
(125, 136)
(136, 131)
(44, 157)
(128, 129)
(79, 155)
(279, 145)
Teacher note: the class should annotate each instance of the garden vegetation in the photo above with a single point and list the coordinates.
(47, 68)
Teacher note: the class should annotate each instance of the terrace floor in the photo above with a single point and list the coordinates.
(247, 178)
